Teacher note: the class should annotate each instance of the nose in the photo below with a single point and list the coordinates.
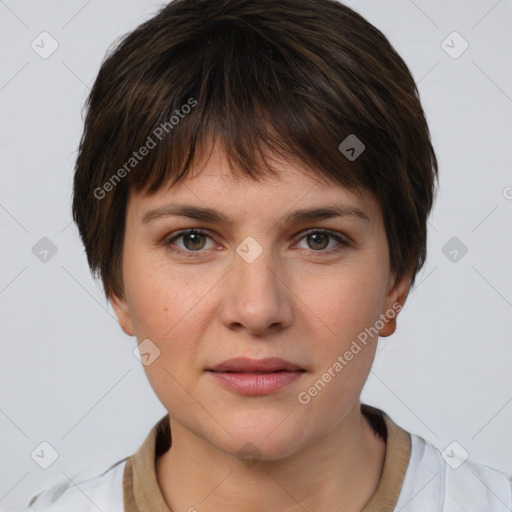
(256, 296)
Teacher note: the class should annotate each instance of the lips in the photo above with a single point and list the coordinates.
(246, 365)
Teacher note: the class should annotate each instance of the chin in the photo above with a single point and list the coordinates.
(255, 443)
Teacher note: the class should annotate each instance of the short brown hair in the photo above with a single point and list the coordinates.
(296, 77)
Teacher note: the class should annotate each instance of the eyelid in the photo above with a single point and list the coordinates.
(167, 241)
(342, 240)
(341, 237)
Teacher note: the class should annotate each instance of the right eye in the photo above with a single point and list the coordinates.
(191, 239)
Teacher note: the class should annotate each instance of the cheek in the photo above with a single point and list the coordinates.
(346, 302)
(168, 310)
(167, 304)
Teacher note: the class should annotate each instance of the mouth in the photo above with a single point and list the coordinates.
(254, 373)
(255, 382)
(256, 377)
(243, 365)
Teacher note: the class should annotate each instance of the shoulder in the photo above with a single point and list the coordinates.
(87, 491)
(450, 483)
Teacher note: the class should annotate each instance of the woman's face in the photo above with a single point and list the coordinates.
(261, 282)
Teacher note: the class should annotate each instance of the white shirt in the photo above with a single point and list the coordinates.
(429, 485)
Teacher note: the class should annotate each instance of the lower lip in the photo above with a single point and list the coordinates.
(255, 383)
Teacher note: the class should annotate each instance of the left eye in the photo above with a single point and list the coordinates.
(320, 240)
(194, 241)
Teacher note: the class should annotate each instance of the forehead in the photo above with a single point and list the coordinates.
(211, 183)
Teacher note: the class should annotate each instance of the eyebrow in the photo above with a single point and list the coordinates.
(295, 217)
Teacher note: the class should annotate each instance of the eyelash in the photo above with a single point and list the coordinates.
(194, 254)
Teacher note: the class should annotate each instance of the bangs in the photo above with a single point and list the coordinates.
(237, 93)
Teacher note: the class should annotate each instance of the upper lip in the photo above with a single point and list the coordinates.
(246, 365)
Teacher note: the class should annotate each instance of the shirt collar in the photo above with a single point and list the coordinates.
(141, 491)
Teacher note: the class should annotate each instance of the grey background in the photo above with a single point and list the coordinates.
(68, 373)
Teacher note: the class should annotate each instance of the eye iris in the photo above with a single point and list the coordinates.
(320, 240)
(315, 237)
(195, 236)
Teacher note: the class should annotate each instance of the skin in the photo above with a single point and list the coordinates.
(300, 300)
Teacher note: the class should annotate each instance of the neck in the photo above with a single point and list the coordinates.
(343, 467)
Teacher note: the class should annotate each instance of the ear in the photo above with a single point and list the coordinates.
(122, 312)
(395, 300)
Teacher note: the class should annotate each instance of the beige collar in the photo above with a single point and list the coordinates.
(141, 492)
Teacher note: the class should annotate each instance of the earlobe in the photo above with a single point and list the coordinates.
(395, 300)
(122, 312)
